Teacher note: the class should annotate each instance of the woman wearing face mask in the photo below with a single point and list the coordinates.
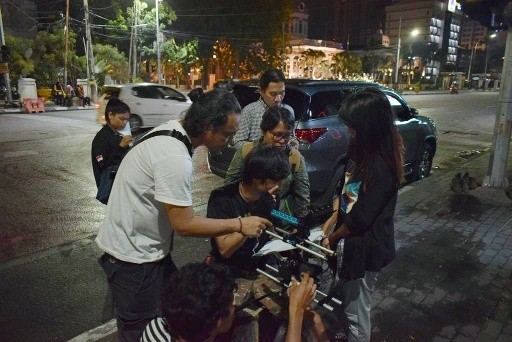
(366, 206)
(277, 130)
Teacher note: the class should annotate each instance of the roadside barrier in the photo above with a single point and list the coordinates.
(34, 105)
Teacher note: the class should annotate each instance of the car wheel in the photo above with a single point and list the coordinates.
(422, 167)
(135, 123)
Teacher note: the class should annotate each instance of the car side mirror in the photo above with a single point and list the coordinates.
(414, 112)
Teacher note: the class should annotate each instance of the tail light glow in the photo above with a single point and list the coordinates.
(309, 135)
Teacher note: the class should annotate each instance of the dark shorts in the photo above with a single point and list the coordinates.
(136, 287)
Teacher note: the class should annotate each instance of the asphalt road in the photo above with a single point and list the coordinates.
(52, 286)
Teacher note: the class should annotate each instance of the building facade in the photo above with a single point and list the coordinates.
(307, 58)
(437, 28)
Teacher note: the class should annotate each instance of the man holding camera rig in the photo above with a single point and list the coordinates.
(262, 172)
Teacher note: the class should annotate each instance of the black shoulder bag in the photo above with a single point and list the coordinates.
(108, 175)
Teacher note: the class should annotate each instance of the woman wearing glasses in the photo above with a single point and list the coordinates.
(277, 129)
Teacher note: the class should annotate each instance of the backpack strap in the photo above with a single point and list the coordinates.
(246, 148)
(294, 158)
(174, 133)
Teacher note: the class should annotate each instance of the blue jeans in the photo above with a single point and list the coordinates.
(136, 290)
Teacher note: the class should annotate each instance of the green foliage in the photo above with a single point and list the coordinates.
(346, 63)
(21, 64)
(225, 58)
(110, 61)
(370, 62)
(144, 17)
(256, 61)
(180, 57)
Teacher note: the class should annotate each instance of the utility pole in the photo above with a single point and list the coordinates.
(89, 52)
(6, 74)
(158, 68)
(66, 46)
(133, 48)
(496, 174)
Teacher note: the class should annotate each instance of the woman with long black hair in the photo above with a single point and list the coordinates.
(364, 230)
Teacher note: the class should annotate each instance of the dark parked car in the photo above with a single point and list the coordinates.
(323, 138)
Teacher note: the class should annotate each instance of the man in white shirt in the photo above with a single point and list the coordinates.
(150, 198)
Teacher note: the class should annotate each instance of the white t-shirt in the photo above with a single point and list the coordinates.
(157, 171)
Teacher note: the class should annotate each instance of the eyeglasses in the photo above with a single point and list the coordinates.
(281, 135)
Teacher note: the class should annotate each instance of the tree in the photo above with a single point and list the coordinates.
(241, 22)
(21, 64)
(110, 61)
(180, 57)
(48, 58)
(346, 63)
(145, 17)
(256, 61)
(225, 59)
(311, 59)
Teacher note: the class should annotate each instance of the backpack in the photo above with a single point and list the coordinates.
(108, 175)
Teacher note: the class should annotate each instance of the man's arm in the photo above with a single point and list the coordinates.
(244, 130)
(301, 295)
(185, 223)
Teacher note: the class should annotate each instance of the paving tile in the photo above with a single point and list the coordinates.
(448, 332)
(470, 330)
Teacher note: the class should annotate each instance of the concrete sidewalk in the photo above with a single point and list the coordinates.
(451, 279)
(452, 276)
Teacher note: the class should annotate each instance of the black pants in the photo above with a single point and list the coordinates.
(136, 290)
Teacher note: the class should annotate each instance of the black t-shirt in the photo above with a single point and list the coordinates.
(226, 202)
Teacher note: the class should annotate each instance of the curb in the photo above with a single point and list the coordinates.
(47, 109)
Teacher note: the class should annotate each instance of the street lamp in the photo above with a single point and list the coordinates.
(471, 63)
(493, 35)
(414, 33)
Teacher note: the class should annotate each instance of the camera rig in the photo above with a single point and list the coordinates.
(294, 259)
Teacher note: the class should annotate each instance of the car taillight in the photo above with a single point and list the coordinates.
(309, 135)
(96, 105)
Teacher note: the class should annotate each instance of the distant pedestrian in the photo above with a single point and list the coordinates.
(86, 101)
(272, 90)
(366, 205)
(151, 197)
(58, 94)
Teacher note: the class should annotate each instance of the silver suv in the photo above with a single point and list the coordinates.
(323, 138)
(150, 104)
